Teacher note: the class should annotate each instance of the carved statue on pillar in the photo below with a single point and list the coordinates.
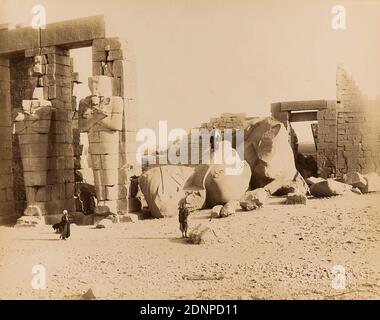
(101, 116)
(32, 127)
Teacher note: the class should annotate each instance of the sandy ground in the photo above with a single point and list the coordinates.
(277, 252)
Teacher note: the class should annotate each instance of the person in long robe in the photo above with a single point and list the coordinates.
(65, 225)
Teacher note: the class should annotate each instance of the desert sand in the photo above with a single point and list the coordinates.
(277, 252)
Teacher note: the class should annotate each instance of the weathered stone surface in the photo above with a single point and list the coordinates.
(373, 182)
(164, 187)
(30, 221)
(268, 152)
(228, 209)
(73, 33)
(35, 178)
(108, 115)
(100, 86)
(328, 188)
(356, 180)
(215, 212)
(296, 198)
(17, 40)
(34, 164)
(108, 44)
(254, 199)
(223, 185)
(312, 180)
(35, 209)
(201, 235)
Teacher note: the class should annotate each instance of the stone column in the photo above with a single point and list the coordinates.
(101, 115)
(113, 57)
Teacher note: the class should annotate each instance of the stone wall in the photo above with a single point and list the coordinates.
(6, 179)
(348, 129)
(19, 50)
(326, 141)
(358, 130)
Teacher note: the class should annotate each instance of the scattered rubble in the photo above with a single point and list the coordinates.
(254, 199)
(215, 212)
(373, 182)
(313, 180)
(328, 188)
(201, 235)
(296, 198)
(356, 180)
(228, 209)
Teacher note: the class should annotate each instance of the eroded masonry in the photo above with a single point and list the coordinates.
(41, 124)
(346, 130)
(41, 121)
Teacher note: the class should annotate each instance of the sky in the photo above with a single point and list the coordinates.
(197, 59)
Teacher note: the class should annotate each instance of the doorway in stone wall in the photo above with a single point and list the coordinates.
(304, 144)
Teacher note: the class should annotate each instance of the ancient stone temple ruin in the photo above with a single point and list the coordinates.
(41, 121)
(346, 130)
(347, 134)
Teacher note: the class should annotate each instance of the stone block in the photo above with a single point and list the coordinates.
(108, 44)
(111, 161)
(36, 150)
(6, 180)
(4, 62)
(116, 87)
(106, 177)
(38, 93)
(34, 164)
(58, 191)
(109, 136)
(70, 190)
(294, 198)
(18, 40)
(100, 192)
(32, 52)
(35, 178)
(4, 73)
(5, 165)
(54, 49)
(60, 176)
(103, 148)
(58, 59)
(117, 54)
(60, 205)
(6, 152)
(116, 192)
(3, 195)
(73, 33)
(97, 69)
(10, 194)
(99, 56)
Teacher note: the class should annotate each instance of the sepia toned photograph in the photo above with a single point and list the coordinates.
(189, 150)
